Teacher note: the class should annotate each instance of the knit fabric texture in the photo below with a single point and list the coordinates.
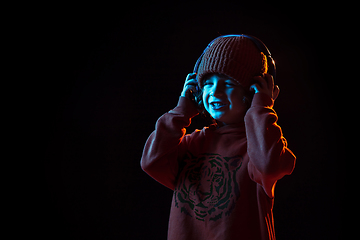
(236, 57)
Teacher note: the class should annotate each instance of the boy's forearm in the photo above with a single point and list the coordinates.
(160, 153)
(267, 148)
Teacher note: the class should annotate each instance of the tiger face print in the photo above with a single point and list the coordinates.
(206, 187)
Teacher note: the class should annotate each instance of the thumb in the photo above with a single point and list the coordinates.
(276, 92)
(190, 94)
(254, 87)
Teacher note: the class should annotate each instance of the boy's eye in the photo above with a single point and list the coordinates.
(230, 83)
(207, 83)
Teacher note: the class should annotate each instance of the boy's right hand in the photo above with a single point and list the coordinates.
(190, 85)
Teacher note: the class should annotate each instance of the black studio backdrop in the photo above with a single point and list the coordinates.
(115, 70)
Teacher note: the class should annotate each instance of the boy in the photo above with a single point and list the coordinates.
(224, 175)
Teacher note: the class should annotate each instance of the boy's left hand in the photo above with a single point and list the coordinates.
(265, 84)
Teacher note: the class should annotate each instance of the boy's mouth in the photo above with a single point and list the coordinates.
(217, 105)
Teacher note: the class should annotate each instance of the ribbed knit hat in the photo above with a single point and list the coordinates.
(237, 57)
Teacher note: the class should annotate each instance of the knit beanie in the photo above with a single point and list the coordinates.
(237, 57)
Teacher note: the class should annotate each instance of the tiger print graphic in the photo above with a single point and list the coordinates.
(206, 186)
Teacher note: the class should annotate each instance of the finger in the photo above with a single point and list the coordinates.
(190, 94)
(187, 89)
(269, 81)
(261, 82)
(192, 85)
(190, 76)
(254, 87)
(191, 82)
(276, 92)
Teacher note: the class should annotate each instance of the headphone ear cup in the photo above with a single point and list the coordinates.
(199, 99)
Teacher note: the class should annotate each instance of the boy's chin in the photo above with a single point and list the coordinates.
(218, 117)
(221, 119)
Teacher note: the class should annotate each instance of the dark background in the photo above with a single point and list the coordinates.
(111, 71)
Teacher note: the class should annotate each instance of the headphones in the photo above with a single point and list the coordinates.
(259, 44)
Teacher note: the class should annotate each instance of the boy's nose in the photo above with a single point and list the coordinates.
(217, 90)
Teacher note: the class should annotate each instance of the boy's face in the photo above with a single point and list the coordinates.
(223, 99)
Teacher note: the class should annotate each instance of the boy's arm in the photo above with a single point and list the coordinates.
(270, 159)
(161, 151)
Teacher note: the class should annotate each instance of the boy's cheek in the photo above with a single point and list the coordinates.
(206, 105)
(206, 101)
